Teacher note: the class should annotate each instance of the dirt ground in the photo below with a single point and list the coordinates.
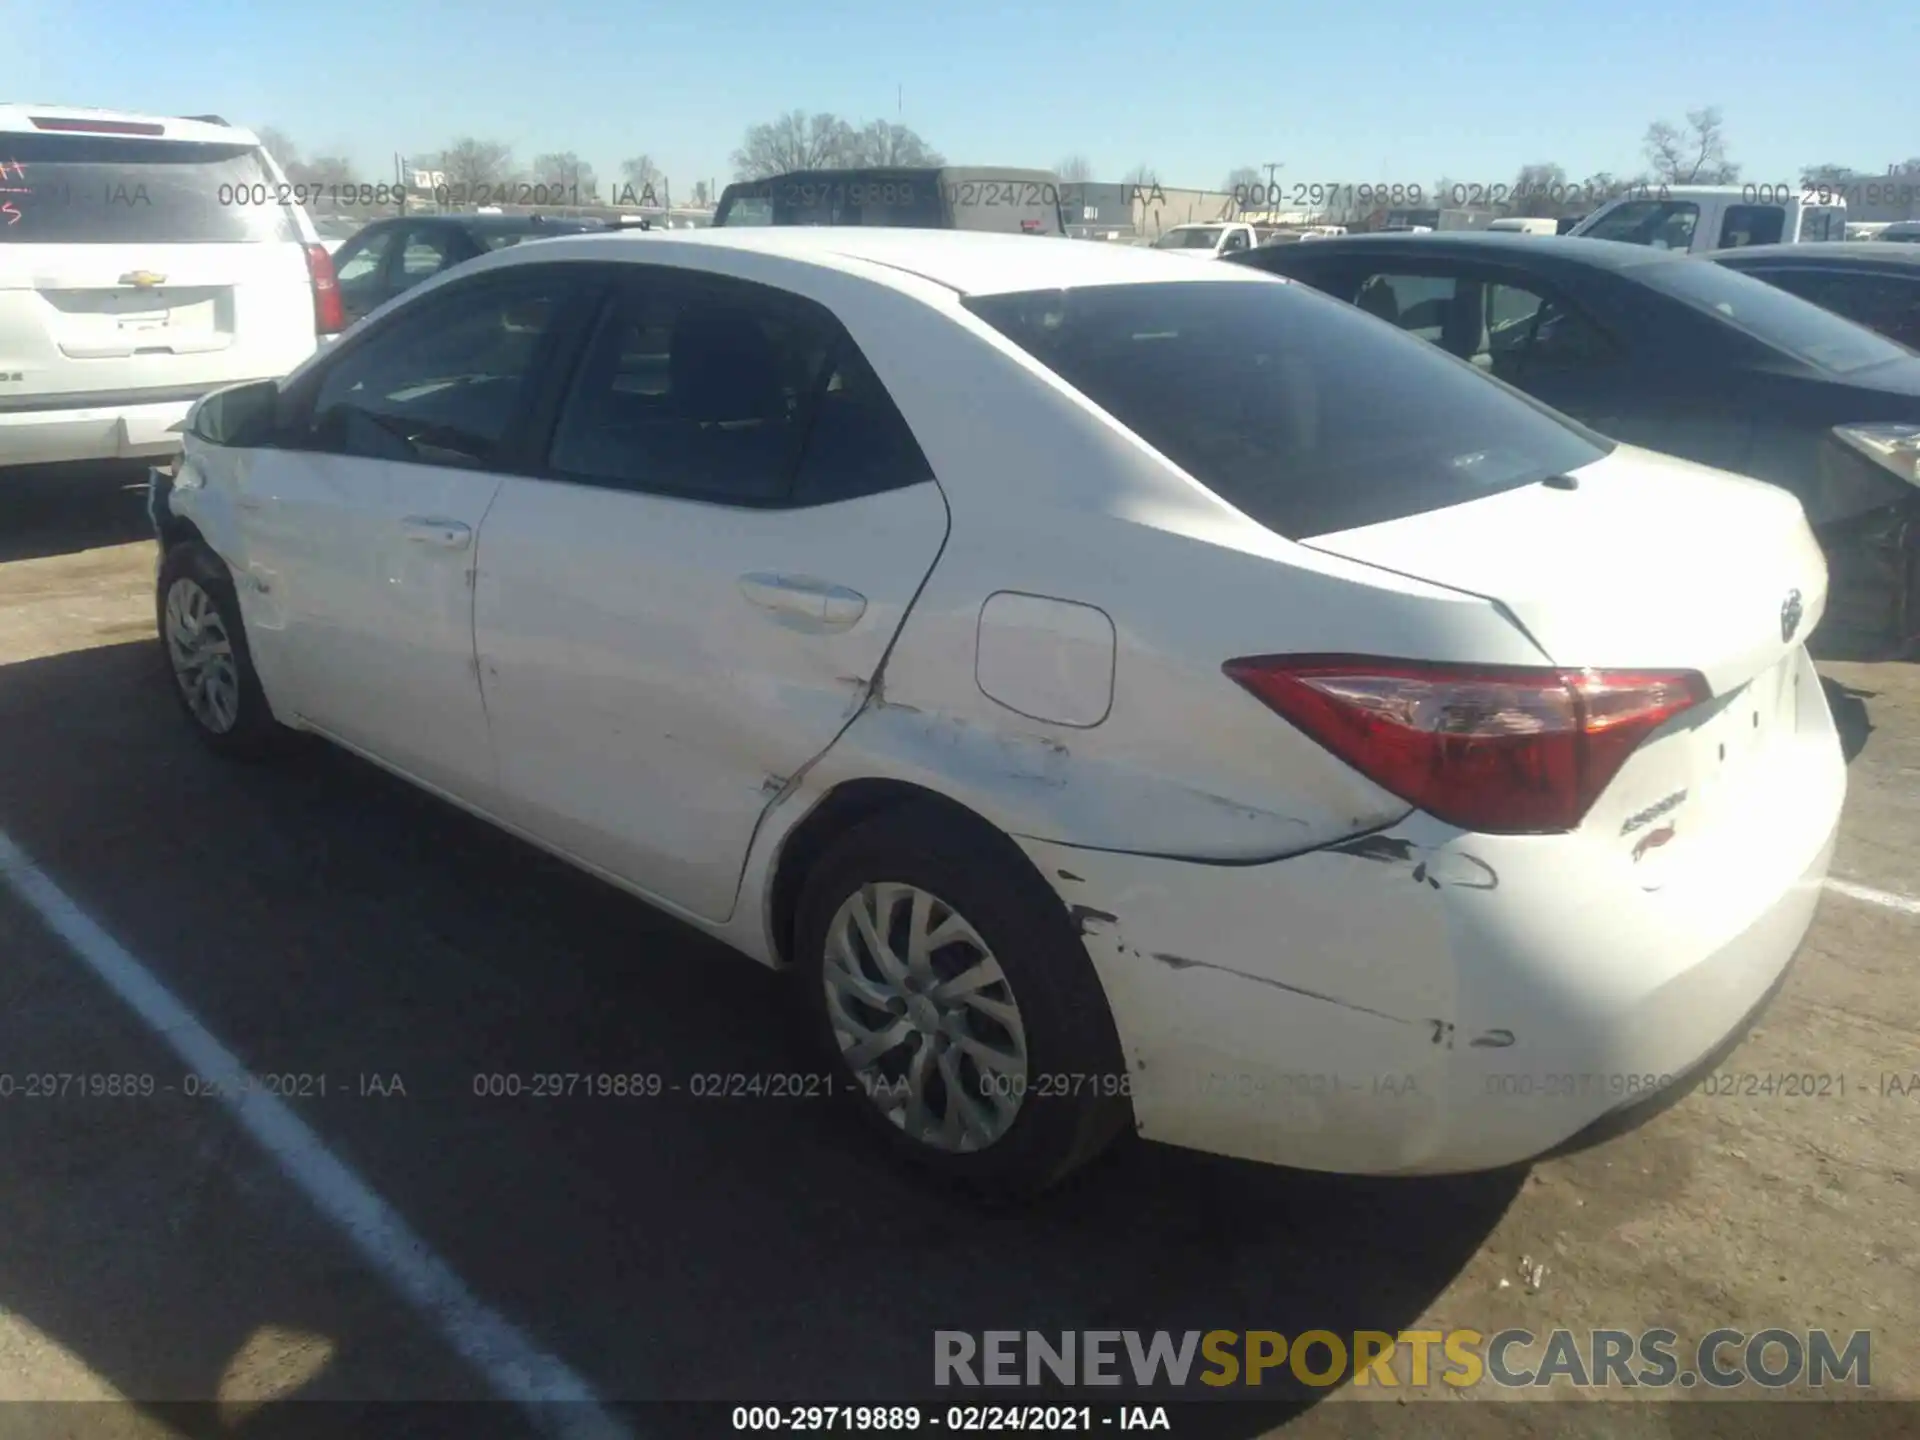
(320, 917)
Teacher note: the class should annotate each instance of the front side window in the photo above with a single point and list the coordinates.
(442, 385)
(1663, 224)
(695, 385)
(116, 190)
(1287, 404)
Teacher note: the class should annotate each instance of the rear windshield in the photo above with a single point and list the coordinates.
(956, 199)
(1803, 330)
(1300, 411)
(110, 190)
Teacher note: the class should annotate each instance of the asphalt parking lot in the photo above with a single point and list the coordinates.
(323, 920)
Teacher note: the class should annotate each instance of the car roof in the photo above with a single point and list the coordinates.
(1498, 245)
(1852, 252)
(19, 117)
(964, 261)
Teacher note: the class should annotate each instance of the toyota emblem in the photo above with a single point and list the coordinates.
(1791, 612)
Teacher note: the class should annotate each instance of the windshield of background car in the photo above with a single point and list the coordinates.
(112, 190)
(1814, 336)
(1204, 239)
(1294, 408)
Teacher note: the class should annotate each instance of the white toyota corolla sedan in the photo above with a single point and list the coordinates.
(1123, 699)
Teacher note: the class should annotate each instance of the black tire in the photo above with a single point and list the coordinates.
(1062, 1121)
(254, 733)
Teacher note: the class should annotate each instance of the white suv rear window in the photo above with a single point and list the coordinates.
(110, 190)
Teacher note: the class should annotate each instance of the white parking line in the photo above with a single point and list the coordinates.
(559, 1402)
(1871, 896)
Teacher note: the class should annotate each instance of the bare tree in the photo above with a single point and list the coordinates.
(702, 194)
(795, 141)
(279, 145)
(470, 164)
(881, 142)
(1539, 190)
(641, 181)
(1075, 170)
(324, 170)
(1143, 175)
(1695, 155)
(563, 170)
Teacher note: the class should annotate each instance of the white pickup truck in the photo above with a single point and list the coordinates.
(1696, 218)
(1210, 241)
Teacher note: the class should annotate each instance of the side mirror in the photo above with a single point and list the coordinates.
(240, 416)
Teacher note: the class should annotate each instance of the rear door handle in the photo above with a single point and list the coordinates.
(803, 603)
(438, 532)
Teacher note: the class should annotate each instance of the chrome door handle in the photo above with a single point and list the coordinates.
(432, 530)
(802, 602)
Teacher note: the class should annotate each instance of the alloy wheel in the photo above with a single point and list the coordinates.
(202, 655)
(925, 1017)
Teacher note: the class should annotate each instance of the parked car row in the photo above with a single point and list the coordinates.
(1696, 360)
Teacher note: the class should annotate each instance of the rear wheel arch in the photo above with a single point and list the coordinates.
(850, 804)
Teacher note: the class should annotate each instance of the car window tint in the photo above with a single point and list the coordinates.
(1880, 302)
(1528, 333)
(1418, 304)
(1287, 404)
(858, 443)
(357, 267)
(1752, 225)
(1786, 323)
(441, 386)
(425, 255)
(695, 386)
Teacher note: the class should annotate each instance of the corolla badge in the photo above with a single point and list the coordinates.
(1791, 612)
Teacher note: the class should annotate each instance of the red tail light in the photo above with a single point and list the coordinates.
(329, 318)
(1505, 750)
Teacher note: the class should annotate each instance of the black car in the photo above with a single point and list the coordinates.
(390, 256)
(1680, 355)
(1872, 284)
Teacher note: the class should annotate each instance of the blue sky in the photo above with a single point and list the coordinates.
(1389, 92)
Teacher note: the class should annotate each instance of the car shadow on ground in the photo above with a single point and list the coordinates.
(1849, 715)
(320, 917)
(50, 510)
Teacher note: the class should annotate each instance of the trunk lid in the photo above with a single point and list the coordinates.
(1650, 562)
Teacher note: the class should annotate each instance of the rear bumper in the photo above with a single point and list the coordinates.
(1424, 1001)
(121, 430)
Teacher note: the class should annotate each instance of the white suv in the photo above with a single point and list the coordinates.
(144, 261)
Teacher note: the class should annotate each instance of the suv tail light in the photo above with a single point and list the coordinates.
(1504, 750)
(329, 317)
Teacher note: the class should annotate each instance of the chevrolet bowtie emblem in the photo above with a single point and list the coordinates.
(144, 279)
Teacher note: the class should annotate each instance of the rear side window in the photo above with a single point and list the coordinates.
(1752, 225)
(113, 190)
(1771, 316)
(695, 386)
(1886, 303)
(1289, 405)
